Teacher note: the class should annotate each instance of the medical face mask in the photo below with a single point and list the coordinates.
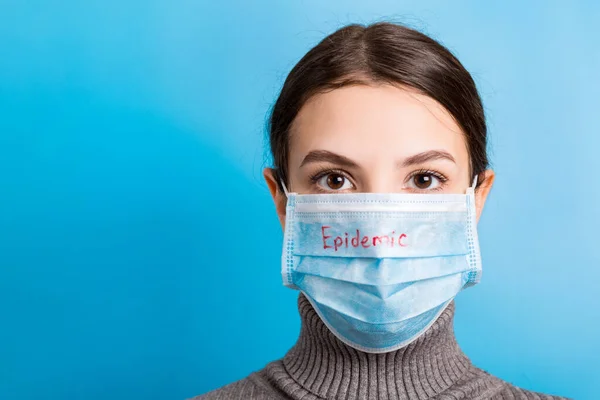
(379, 268)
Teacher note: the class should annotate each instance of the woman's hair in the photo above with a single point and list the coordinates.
(381, 53)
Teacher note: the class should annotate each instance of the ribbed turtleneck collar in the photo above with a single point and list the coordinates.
(328, 368)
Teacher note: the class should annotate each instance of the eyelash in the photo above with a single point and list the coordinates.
(314, 178)
(431, 172)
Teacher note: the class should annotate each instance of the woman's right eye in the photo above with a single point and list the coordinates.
(334, 181)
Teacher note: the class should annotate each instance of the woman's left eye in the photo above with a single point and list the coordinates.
(424, 181)
(334, 182)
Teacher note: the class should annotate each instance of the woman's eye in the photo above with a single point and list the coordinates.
(424, 181)
(334, 181)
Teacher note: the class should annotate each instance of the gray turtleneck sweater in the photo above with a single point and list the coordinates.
(320, 366)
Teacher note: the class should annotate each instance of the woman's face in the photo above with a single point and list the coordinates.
(376, 139)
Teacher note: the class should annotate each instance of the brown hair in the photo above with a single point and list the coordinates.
(383, 52)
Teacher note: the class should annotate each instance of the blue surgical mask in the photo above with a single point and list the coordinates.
(379, 268)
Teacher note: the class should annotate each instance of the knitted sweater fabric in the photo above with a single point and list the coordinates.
(320, 366)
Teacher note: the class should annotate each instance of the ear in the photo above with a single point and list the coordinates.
(279, 197)
(483, 190)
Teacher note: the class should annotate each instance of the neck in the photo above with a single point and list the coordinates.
(327, 367)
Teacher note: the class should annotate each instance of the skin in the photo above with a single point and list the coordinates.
(376, 138)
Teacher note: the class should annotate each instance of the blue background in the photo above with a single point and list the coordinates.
(139, 248)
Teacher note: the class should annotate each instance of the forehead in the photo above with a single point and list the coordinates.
(384, 121)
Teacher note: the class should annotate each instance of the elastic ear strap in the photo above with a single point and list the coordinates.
(284, 188)
(280, 176)
(471, 188)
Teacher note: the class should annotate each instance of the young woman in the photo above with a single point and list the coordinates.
(381, 173)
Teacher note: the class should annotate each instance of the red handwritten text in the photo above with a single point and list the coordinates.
(360, 240)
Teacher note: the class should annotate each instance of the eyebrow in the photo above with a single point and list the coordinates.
(420, 158)
(327, 156)
(425, 156)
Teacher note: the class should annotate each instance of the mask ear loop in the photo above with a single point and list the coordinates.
(284, 188)
(473, 185)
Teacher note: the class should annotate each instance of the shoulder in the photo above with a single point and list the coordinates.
(249, 388)
(243, 389)
(479, 384)
(513, 392)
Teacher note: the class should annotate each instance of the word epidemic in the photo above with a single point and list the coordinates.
(358, 240)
